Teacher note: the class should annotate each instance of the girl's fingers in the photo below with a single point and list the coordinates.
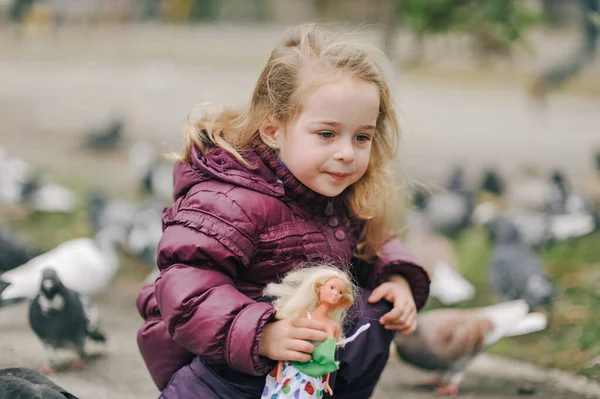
(308, 334)
(294, 356)
(298, 345)
(392, 316)
(407, 330)
(409, 311)
(303, 322)
(410, 323)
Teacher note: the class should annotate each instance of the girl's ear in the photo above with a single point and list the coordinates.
(270, 133)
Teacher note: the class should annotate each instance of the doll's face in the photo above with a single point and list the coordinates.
(332, 291)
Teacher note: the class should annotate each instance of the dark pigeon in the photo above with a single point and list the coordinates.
(25, 383)
(108, 138)
(515, 270)
(62, 319)
(492, 183)
(13, 251)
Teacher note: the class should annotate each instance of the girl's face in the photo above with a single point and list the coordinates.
(328, 146)
(332, 291)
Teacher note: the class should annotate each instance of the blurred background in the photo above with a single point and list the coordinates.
(499, 102)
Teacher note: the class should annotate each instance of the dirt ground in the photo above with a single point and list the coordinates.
(53, 89)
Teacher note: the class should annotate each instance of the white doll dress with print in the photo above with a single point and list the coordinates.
(297, 385)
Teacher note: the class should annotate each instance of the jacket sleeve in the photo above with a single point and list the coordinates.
(393, 258)
(199, 255)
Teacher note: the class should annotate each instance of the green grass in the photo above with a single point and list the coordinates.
(572, 339)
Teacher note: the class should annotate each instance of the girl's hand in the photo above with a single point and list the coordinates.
(288, 339)
(328, 389)
(403, 317)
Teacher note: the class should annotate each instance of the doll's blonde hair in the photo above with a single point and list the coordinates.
(310, 56)
(298, 292)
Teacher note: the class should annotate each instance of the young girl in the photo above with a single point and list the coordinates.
(300, 175)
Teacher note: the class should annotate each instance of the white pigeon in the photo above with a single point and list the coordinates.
(14, 173)
(84, 265)
(448, 286)
(51, 197)
(46, 196)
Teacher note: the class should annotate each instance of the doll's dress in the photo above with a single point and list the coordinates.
(303, 380)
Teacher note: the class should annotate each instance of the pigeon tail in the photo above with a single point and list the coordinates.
(532, 322)
(503, 316)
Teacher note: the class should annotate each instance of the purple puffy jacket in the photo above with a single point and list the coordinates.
(230, 231)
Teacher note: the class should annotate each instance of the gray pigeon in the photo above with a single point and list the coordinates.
(515, 270)
(62, 319)
(103, 213)
(447, 340)
(448, 212)
(24, 383)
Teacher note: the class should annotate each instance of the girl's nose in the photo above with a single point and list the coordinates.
(345, 153)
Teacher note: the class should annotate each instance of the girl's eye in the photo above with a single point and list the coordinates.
(331, 287)
(326, 134)
(363, 137)
(340, 292)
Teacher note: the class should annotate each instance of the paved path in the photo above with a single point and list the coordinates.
(116, 371)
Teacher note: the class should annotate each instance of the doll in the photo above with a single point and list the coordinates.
(323, 293)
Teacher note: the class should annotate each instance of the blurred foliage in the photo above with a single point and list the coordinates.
(572, 339)
(494, 24)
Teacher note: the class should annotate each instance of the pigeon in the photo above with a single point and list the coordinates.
(83, 264)
(592, 187)
(20, 185)
(529, 191)
(155, 177)
(42, 195)
(534, 227)
(515, 270)
(145, 234)
(449, 212)
(25, 383)
(62, 319)
(492, 183)
(13, 251)
(449, 286)
(14, 174)
(489, 200)
(103, 213)
(572, 214)
(436, 253)
(107, 138)
(447, 340)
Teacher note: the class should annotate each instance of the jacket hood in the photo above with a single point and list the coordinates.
(219, 164)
